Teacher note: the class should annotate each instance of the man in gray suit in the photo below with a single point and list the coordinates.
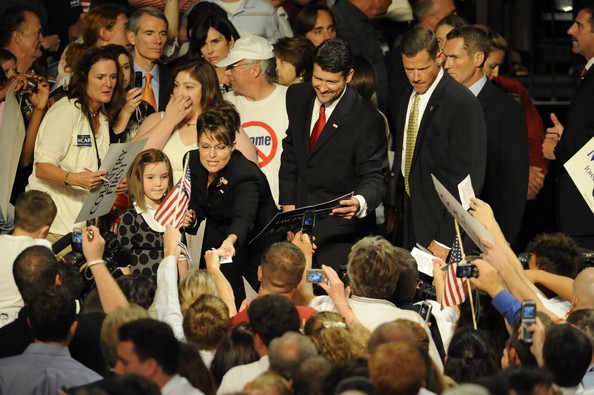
(440, 130)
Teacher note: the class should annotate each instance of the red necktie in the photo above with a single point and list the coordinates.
(318, 127)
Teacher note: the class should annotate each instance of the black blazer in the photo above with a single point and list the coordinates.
(451, 144)
(506, 178)
(165, 85)
(350, 155)
(574, 217)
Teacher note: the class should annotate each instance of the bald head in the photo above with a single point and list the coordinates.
(390, 332)
(583, 290)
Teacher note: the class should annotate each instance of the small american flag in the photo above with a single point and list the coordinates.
(174, 206)
(454, 290)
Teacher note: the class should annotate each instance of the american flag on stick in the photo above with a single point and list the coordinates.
(173, 208)
(454, 289)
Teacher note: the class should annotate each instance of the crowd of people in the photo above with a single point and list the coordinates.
(257, 109)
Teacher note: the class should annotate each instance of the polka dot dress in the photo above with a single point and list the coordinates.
(145, 244)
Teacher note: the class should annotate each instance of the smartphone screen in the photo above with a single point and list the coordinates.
(77, 239)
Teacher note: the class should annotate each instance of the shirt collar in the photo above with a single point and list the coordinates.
(478, 86)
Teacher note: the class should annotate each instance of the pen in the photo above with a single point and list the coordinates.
(100, 177)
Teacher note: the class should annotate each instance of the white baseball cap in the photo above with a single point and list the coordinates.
(252, 48)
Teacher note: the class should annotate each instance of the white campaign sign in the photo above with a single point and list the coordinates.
(474, 229)
(580, 168)
(116, 162)
(12, 136)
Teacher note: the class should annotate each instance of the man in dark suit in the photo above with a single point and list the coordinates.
(574, 217)
(335, 144)
(147, 32)
(440, 130)
(506, 178)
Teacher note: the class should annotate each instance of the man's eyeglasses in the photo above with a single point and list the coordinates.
(219, 148)
(232, 66)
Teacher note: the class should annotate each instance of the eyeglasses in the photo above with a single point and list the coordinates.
(219, 148)
(232, 66)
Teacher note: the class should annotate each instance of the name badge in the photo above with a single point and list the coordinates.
(83, 140)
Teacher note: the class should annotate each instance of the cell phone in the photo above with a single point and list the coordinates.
(138, 79)
(308, 222)
(425, 311)
(528, 318)
(466, 271)
(315, 276)
(77, 239)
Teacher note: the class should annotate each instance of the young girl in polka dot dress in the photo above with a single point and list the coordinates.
(149, 179)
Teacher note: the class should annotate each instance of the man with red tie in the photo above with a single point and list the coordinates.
(335, 144)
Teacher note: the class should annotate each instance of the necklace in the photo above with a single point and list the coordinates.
(190, 124)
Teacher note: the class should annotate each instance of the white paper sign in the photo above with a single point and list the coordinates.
(117, 160)
(466, 192)
(580, 168)
(424, 261)
(474, 229)
(12, 137)
(250, 293)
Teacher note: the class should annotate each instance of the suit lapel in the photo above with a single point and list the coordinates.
(430, 110)
(336, 120)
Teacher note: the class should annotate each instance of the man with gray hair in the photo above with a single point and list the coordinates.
(251, 68)
(147, 32)
(286, 352)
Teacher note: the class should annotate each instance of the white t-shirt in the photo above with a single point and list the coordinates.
(65, 139)
(265, 122)
(237, 377)
(11, 300)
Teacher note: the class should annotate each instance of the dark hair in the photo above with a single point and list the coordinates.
(71, 278)
(34, 209)
(452, 20)
(271, 316)
(80, 79)
(220, 120)
(475, 39)
(567, 353)
(205, 74)
(524, 379)
(200, 11)
(556, 253)
(364, 80)
(310, 374)
(51, 314)
(298, 51)
(406, 287)
(236, 348)
(193, 368)
(357, 367)
(335, 56)
(153, 339)
(418, 39)
(121, 50)
(34, 270)
(5, 56)
(588, 6)
(470, 356)
(282, 266)
(305, 21)
(12, 20)
(138, 289)
(220, 23)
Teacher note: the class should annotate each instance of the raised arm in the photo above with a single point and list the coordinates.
(110, 293)
(213, 266)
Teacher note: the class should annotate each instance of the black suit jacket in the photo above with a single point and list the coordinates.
(451, 144)
(165, 85)
(350, 155)
(237, 202)
(574, 217)
(506, 178)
